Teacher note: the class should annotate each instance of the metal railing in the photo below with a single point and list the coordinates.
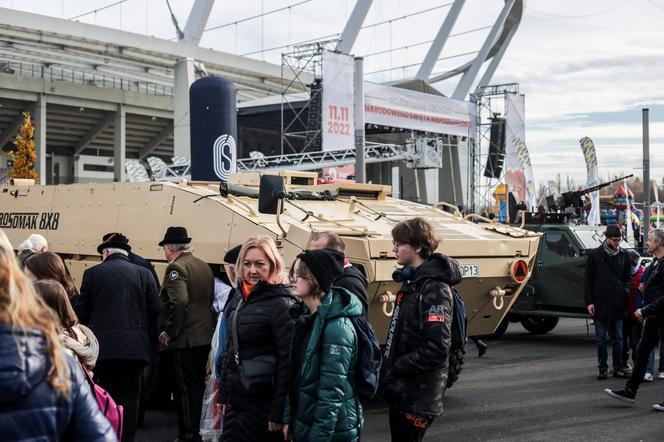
(57, 73)
(374, 153)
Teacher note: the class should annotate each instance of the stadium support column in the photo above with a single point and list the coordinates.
(39, 121)
(119, 143)
(358, 114)
(646, 174)
(184, 77)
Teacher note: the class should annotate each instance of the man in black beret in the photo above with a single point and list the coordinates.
(607, 282)
(187, 322)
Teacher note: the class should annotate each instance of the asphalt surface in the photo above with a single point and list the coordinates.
(526, 388)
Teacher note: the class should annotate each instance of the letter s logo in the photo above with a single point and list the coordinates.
(224, 156)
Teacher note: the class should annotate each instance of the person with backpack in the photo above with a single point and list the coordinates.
(419, 337)
(322, 403)
(352, 278)
(43, 392)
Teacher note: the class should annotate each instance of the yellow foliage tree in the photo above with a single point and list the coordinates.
(24, 156)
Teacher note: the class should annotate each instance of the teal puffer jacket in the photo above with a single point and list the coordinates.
(327, 406)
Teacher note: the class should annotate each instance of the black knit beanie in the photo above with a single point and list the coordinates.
(325, 264)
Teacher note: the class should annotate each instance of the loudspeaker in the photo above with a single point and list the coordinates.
(494, 162)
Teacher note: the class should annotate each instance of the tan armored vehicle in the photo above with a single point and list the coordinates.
(496, 259)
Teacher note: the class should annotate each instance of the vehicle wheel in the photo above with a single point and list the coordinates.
(500, 331)
(456, 365)
(539, 325)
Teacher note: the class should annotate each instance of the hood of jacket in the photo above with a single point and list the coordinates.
(339, 302)
(23, 362)
(440, 267)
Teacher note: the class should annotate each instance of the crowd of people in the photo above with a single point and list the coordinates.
(626, 301)
(283, 355)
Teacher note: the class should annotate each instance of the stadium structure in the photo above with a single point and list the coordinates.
(110, 104)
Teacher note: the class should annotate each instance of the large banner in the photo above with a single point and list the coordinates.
(518, 168)
(592, 178)
(397, 107)
(338, 130)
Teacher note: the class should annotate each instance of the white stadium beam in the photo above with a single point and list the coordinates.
(198, 17)
(438, 43)
(353, 26)
(469, 76)
(39, 120)
(119, 144)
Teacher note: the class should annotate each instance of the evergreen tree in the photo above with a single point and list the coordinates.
(24, 154)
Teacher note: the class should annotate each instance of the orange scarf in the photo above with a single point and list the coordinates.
(246, 289)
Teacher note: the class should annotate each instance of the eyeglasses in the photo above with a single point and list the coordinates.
(293, 277)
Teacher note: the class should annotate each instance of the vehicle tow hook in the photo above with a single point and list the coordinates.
(498, 296)
(388, 298)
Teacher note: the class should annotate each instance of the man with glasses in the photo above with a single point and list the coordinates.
(608, 277)
(418, 341)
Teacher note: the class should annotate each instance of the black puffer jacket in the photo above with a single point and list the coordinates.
(355, 282)
(119, 302)
(418, 342)
(653, 292)
(608, 280)
(264, 327)
(30, 409)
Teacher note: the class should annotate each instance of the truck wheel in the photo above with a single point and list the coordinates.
(456, 365)
(500, 331)
(539, 325)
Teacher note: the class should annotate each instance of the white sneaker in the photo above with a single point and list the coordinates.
(648, 377)
(659, 407)
(661, 375)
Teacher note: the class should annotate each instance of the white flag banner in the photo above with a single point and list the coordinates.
(628, 217)
(592, 172)
(338, 130)
(518, 168)
(397, 107)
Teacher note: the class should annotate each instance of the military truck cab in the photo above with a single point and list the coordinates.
(556, 288)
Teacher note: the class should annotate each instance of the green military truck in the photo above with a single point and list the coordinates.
(556, 288)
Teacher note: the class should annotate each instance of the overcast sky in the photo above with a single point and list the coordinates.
(586, 67)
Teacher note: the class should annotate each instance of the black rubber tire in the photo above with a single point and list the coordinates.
(539, 325)
(500, 331)
(455, 366)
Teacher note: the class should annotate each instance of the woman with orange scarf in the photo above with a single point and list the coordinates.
(254, 374)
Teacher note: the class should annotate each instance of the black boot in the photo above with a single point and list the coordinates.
(481, 346)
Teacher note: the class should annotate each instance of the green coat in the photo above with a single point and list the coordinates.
(327, 406)
(186, 302)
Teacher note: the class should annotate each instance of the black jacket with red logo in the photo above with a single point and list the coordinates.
(418, 342)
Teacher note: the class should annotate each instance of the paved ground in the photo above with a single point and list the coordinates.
(526, 388)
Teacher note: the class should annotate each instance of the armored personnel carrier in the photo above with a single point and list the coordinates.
(496, 259)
